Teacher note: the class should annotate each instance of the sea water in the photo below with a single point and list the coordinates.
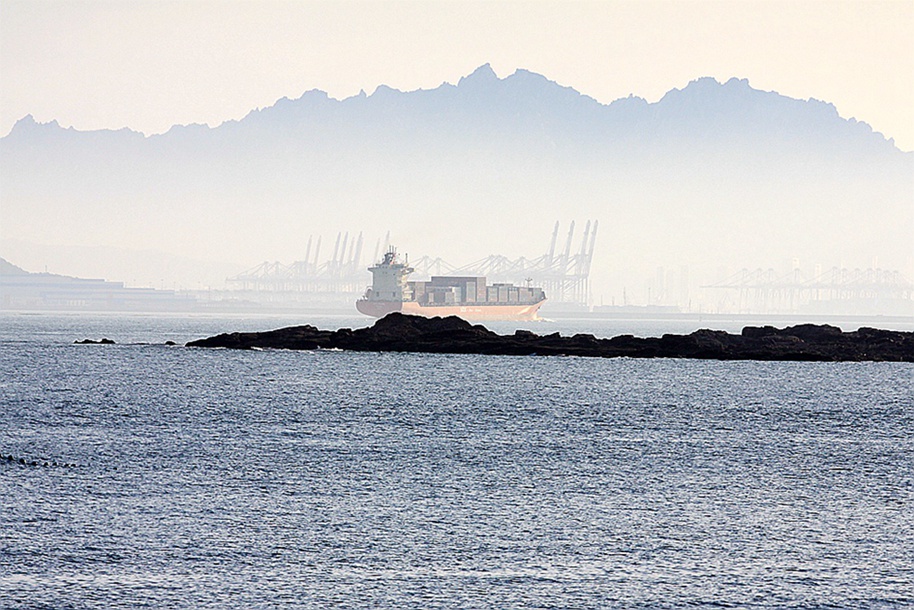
(192, 478)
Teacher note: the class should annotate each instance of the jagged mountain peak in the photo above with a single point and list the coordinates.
(708, 87)
(482, 75)
(739, 106)
(28, 124)
(189, 127)
(27, 128)
(384, 91)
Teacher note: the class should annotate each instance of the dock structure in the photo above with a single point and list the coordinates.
(765, 291)
(343, 273)
(563, 274)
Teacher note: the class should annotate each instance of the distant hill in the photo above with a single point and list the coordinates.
(8, 268)
(712, 174)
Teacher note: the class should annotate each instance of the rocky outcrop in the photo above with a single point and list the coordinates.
(452, 335)
(44, 462)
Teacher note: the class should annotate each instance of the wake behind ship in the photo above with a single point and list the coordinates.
(468, 297)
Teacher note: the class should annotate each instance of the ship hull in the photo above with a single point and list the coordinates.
(473, 312)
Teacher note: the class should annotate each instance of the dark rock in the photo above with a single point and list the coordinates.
(92, 342)
(22, 461)
(399, 332)
(294, 337)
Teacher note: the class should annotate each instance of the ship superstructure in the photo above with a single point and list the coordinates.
(388, 279)
(466, 296)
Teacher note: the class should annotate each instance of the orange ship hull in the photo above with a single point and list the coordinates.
(479, 311)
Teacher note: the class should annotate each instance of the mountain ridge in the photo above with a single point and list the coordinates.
(484, 86)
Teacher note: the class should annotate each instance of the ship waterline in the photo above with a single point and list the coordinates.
(379, 309)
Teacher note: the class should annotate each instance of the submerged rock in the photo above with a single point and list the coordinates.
(452, 335)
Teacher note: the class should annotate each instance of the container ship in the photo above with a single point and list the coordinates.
(468, 297)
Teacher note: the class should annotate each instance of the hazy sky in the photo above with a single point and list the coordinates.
(150, 64)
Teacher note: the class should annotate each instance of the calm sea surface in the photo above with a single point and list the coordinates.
(261, 479)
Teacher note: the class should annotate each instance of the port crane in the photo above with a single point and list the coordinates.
(564, 274)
